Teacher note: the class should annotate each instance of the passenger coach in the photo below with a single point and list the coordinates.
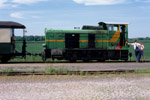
(7, 40)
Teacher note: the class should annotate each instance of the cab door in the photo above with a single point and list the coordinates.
(122, 35)
(91, 41)
(72, 41)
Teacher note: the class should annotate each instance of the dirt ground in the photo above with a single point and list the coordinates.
(101, 87)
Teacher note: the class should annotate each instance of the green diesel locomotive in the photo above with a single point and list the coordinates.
(103, 42)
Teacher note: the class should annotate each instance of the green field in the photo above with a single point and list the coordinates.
(36, 48)
(33, 48)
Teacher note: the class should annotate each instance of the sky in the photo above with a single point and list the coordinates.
(37, 15)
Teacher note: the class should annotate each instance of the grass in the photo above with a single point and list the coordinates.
(147, 70)
(81, 72)
(56, 71)
(65, 71)
(8, 70)
(28, 59)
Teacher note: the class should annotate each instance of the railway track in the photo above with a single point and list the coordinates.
(71, 68)
(67, 73)
(73, 62)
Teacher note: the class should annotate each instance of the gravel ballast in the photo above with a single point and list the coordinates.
(101, 87)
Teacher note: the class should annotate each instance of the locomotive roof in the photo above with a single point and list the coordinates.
(114, 23)
(11, 24)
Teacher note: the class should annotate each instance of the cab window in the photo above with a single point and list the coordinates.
(115, 28)
(110, 28)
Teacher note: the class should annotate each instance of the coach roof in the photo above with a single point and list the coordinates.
(11, 24)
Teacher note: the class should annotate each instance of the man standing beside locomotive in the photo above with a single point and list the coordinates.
(136, 47)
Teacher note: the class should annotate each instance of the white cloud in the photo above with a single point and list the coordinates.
(5, 4)
(100, 2)
(27, 1)
(2, 3)
(145, 7)
(143, 0)
(15, 3)
(17, 15)
(14, 6)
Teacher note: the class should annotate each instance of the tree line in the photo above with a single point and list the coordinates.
(30, 38)
(146, 38)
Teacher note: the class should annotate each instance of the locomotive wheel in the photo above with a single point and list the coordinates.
(126, 60)
(101, 60)
(85, 60)
(72, 60)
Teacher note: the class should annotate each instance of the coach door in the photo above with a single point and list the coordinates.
(72, 40)
(91, 40)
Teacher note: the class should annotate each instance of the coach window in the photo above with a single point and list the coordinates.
(115, 28)
(12, 33)
(5, 35)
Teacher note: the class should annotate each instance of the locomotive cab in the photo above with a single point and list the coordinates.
(7, 40)
(118, 34)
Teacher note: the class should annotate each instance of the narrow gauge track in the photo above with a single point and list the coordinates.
(71, 62)
(71, 68)
(68, 73)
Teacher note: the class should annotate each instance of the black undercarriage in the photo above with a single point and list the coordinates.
(90, 54)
